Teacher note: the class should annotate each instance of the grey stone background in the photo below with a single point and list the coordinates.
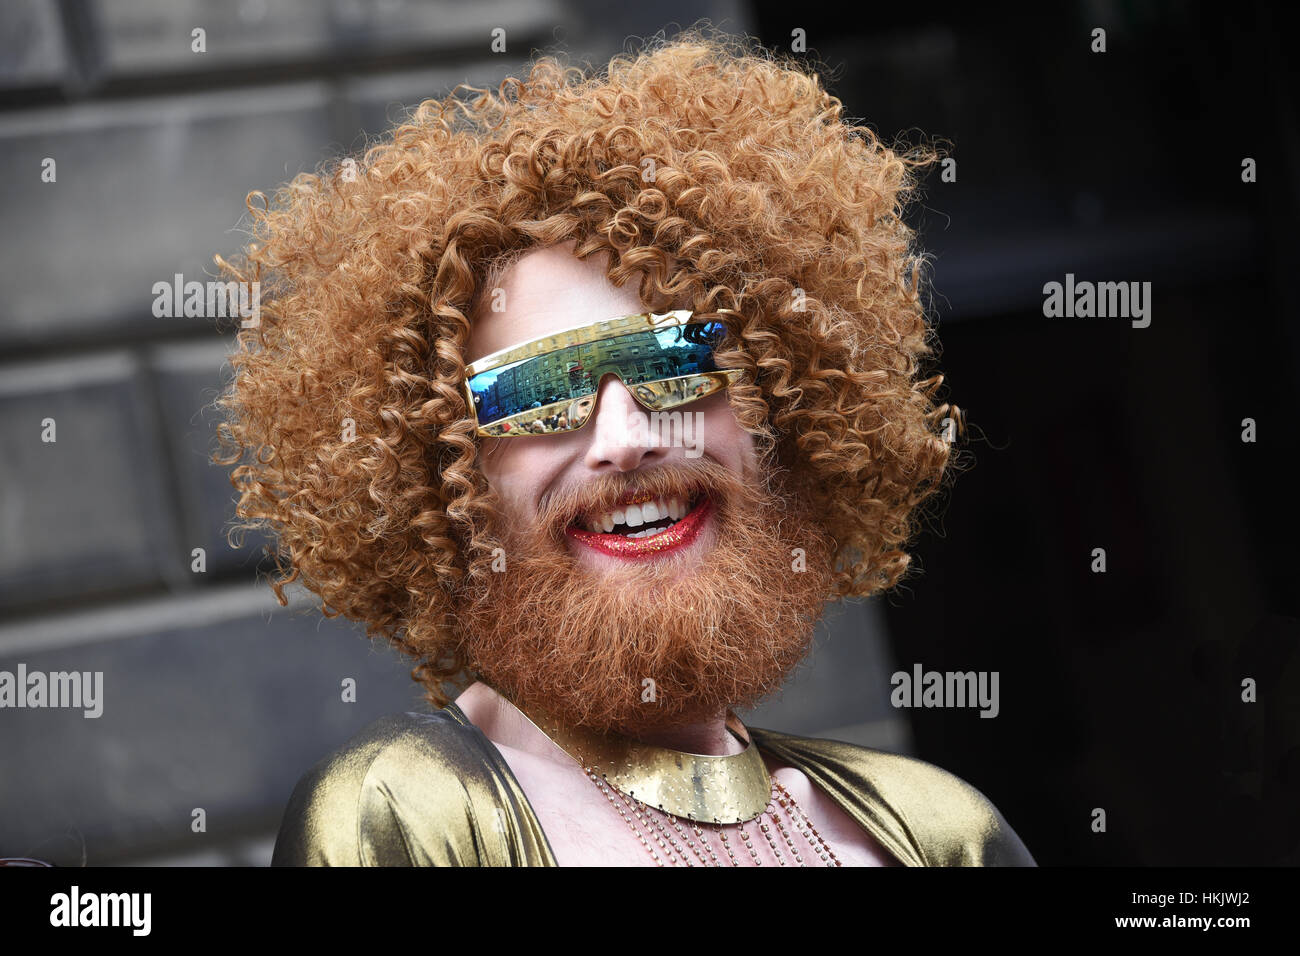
(215, 697)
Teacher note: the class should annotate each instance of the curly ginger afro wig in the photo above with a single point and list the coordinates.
(715, 175)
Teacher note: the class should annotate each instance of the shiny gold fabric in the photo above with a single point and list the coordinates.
(432, 790)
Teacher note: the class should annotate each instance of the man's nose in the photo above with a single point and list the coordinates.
(619, 429)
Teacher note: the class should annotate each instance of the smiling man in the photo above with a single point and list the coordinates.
(590, 405)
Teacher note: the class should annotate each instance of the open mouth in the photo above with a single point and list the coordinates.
(640, 520)
(652, 525)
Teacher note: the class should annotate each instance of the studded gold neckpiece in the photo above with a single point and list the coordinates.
(658, 786)
(726, 788)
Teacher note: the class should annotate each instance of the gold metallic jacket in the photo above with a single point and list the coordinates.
(419, 789)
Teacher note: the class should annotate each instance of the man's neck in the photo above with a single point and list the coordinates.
(504, 724)
(705, 737)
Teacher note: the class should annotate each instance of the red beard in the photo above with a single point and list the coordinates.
(658, 642)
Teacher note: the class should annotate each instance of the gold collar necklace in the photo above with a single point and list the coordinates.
(706, 788)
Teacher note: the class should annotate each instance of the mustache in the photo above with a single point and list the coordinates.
(687, 479)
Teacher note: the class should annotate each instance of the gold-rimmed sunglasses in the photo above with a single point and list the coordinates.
(549, 384)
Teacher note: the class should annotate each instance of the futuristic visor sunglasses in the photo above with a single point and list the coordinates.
(549, 384)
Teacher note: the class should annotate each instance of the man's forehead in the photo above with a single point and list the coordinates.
(542, 292)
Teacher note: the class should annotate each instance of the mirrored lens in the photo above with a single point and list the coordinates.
(543, 386)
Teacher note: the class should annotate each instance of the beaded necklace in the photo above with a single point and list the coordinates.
(649, 822)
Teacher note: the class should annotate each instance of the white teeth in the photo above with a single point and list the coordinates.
(634, 516)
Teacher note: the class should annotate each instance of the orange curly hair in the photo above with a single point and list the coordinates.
(719, 175)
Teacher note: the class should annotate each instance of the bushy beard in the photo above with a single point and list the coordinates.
(658, 642)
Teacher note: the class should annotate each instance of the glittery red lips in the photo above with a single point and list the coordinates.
(670, 539)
